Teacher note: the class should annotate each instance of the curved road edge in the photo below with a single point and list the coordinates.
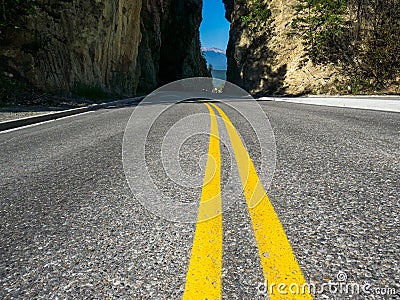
(12, 124)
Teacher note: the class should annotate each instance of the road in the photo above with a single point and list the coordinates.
(72, 228)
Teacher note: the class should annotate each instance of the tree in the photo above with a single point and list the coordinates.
(258, 13)
(322, 25)
(210, 68)
(360, 36)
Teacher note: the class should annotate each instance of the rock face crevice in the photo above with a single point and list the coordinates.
(120, 46)
(180, 55)
(170, 45)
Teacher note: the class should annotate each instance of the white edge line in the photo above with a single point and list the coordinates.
(44, 122)
(396, 110)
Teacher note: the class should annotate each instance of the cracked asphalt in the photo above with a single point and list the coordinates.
(71, 228)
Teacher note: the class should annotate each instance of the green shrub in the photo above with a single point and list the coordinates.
(12, 10)
(93, 93)
(10, 88)
(258, 13)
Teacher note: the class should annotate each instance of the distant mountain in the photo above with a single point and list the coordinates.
(217, 50)
(216, 57)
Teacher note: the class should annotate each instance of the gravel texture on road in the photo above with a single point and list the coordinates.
(336, 190)
(11, 114)
(71, 227)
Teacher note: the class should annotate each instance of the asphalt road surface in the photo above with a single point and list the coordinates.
(71, 227)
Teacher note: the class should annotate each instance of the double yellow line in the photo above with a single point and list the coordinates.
(279, 265)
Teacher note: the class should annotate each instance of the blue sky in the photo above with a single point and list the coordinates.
(214, 30)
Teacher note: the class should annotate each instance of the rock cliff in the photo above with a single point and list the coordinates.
(267, 59)
(170, 45)
(119, 46)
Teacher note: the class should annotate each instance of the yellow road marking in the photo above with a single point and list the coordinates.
(203, 279)
(277, 259)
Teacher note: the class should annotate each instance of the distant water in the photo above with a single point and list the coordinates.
(220, 74)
